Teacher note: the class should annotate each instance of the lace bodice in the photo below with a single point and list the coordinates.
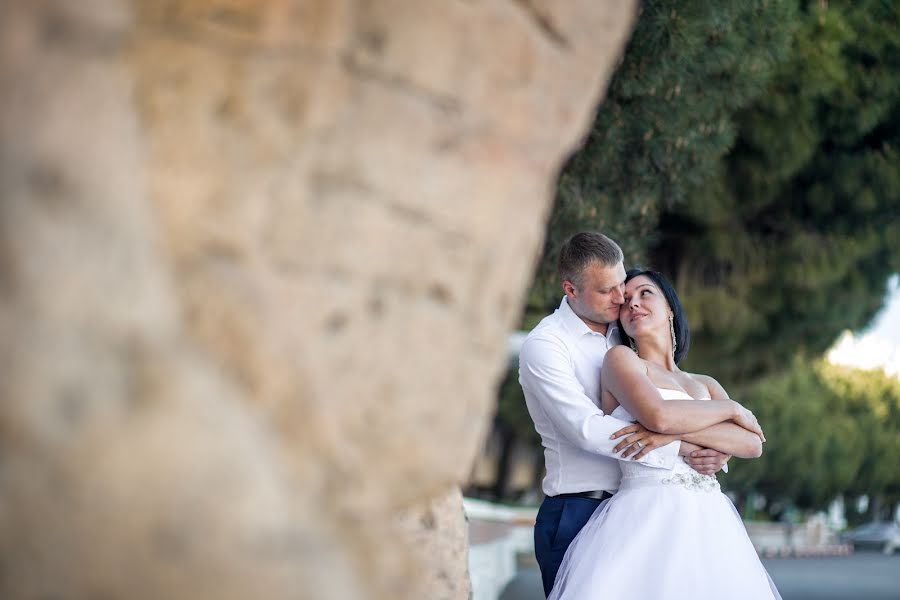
(681, 474)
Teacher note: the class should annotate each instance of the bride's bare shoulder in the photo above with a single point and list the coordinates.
(618, 353)
(622, 359)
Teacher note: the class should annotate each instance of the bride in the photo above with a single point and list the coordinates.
(665, 534)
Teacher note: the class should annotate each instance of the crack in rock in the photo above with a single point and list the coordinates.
(544, 23)
(444, 103)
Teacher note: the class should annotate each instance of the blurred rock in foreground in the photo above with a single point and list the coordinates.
(257, 265)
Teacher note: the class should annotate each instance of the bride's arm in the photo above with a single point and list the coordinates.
(624, 375)
(728, 438)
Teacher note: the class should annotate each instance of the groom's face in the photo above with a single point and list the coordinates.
(598, 296)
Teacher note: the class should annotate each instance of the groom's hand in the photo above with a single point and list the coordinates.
(706, 461)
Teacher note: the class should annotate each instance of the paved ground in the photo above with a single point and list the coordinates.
(862, 576)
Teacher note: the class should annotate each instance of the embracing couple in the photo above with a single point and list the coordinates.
(632, 444)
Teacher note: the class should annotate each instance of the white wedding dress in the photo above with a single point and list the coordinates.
(665, 535)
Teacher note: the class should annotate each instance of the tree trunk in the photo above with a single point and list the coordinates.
(504, 459)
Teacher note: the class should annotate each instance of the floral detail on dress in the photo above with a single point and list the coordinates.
(694, 481)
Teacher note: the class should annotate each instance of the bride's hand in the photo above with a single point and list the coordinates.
(747, 420)
(638, 440)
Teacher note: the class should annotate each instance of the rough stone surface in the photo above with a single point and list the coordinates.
(257, 265)
(439, 534)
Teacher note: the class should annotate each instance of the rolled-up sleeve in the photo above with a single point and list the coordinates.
(548, 378)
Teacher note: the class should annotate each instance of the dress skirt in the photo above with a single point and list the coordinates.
(663, 541)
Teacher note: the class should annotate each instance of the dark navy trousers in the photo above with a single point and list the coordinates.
(558, 522)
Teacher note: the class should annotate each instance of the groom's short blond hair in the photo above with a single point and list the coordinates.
(583, 249)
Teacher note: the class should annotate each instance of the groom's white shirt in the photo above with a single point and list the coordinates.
(559, 370)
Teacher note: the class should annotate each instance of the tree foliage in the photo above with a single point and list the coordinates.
(793, 241)
(831, 430)
(667, 121)
(749, 150)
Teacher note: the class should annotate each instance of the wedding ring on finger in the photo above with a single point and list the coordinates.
(639, 445)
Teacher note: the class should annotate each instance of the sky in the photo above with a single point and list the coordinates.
(879, 344)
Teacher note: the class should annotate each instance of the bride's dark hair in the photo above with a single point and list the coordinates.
(680, 322)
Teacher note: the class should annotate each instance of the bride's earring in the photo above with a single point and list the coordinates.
(633, 347)
(672, 331)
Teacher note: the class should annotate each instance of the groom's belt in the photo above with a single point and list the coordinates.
(596, 495)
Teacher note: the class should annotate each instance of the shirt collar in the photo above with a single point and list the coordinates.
(576, 327)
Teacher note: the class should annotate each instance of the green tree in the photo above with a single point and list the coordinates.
(874, 401)
(831, 430)
(667, 121)
(795, 237)
(749, 150)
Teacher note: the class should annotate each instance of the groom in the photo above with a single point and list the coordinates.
(559, 370)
